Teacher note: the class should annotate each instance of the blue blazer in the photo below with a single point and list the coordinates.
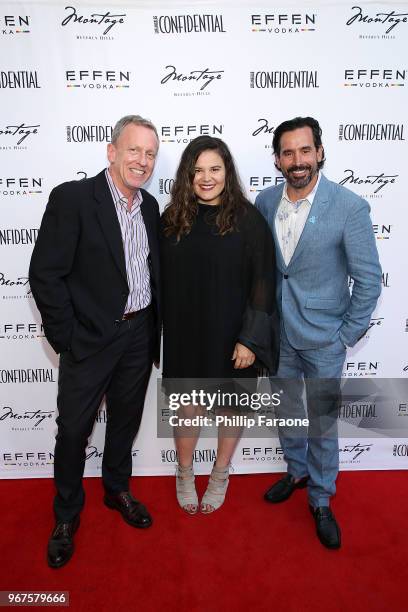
(313, 290)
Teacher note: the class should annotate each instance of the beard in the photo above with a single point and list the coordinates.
(299, 182)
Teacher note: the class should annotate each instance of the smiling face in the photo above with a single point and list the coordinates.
(298, 161)
(132, 158)
(209, 177)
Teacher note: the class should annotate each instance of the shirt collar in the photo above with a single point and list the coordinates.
(309, 198)
(118, 197)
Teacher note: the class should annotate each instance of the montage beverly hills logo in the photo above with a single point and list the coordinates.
(201, 81)
(373, 185)
(375, 323)
(16, 136)
(264, 131)
(94, 455)
(25, 419)
(14, 287)
(354, 452)
(382, 24)
(88, 25)
(284, 23)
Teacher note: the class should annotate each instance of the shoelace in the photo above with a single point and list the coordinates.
(63, 529)
(126, 499)
(328, 516)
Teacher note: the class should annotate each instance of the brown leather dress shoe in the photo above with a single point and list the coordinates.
(133, 512)
(283, 489)
(61, 543)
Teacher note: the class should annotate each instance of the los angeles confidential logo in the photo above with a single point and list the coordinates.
(283, 79)
(20, 79)
(188, 24)
(88, 133)
(371, 131)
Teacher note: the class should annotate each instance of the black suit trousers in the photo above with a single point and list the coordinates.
(121, 372)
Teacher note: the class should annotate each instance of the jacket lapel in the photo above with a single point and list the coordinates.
(148, 221)
(311, 229)
(108, 220)
(272, 224)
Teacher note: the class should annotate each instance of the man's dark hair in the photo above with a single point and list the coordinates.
(294, 124)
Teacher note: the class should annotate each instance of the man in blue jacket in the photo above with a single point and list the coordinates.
(323, 235)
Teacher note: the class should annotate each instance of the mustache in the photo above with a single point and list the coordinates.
(298, 168)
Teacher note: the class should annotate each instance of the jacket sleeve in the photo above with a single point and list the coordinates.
(51, 262)
(260, 327)
(365, 270)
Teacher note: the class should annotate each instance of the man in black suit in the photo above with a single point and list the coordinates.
(94, 275)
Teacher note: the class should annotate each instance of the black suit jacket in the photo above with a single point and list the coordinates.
(77, 271)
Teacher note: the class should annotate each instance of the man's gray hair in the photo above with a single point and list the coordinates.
(136, 120)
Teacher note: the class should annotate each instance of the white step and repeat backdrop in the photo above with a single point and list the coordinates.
(235, 70)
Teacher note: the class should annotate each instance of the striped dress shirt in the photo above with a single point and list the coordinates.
(291, 219)
(135, 246)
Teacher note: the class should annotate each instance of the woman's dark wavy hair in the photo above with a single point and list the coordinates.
(294, 124)
(180, 213)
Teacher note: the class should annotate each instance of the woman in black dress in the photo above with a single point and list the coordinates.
(220, 320)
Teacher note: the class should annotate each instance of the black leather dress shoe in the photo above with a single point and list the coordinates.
(283, 489)
(327, 528)
(133, 512)
(61, 543)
